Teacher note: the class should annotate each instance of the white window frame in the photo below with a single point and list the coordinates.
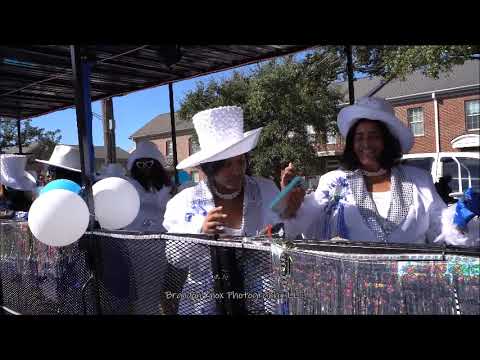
(468, 115)
(411, 120)
(331, 138)
(195, 175)
(167, 147)
(311, 133)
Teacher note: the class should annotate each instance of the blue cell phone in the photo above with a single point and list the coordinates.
(278, 204)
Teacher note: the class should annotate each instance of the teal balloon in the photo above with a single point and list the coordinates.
(61, 184)
(183, 177)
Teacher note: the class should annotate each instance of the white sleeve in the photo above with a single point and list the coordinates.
(451, 235)
(441, 228)
(176, 218)
(269, 191)
(311, 209)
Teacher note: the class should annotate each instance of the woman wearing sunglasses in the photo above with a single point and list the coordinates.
(148, 175)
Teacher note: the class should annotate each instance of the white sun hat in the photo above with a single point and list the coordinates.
(220, 134)
(65, 157)
(145, 149)
(13, 174)
(374, 108)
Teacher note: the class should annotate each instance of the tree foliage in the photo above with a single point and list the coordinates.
(283, 96)
(45, 140)
(396, 62)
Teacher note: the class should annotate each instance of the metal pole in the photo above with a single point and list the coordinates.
(351, 94)
(174, 132)
(83, 107)
(109, 131)
(19, 137)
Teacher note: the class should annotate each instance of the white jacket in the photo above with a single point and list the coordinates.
(186, 211)
(341, 206)
(185, 214)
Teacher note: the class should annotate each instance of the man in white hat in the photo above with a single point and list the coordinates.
(16, 184)
(372, 197)
(228, 202)
(64, 163)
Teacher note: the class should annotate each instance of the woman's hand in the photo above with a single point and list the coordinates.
(293, 202)
(287, 175)
(295, 198)
(213, 223)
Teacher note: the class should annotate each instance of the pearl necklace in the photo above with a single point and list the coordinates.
(373, 173)
(224, 196)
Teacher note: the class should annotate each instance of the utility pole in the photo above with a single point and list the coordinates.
(109, 131)
(348, 53)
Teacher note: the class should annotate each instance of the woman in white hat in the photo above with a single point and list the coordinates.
(371, 197)
(64, 163)
(16, 184)
(228, 202)
(146, 165)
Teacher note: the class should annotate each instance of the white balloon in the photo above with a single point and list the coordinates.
(58, 218)
(117, 203)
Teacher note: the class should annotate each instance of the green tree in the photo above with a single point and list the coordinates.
(45, 140)
(283, 96)
(392, 62)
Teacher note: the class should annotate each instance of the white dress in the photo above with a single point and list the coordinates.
(341, 206)
(152, 209)
(185, 215)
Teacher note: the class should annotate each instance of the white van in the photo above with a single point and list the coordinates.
(462, 167)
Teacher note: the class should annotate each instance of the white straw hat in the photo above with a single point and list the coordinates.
(65, 157)
(374, 108)
(13, 174)
(220, 134)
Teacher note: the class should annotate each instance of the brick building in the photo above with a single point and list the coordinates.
(157, 131)
(444, 115)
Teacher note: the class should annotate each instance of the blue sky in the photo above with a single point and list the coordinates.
(131, 111)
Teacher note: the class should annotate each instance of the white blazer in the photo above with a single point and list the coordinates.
(186, 212)
(341, 206)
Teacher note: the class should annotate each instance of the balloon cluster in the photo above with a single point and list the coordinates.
(60, 216)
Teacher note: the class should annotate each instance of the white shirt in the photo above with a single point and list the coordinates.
(382, 202)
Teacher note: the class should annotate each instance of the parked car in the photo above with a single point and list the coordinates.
(456, 170)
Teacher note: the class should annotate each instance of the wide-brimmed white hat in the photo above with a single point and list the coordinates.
(220, 134)
(112, 170)
(145, 149)
(65, 157)
(374, 108)
(13, 174)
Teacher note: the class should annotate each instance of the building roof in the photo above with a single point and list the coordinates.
(99, 151)
(465, 75)
(37, 79)
(26, 149)
(160, 125)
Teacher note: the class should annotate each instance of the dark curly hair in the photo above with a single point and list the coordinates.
(158, 179)
(211, 168)
(61, 173)
(391, 155)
